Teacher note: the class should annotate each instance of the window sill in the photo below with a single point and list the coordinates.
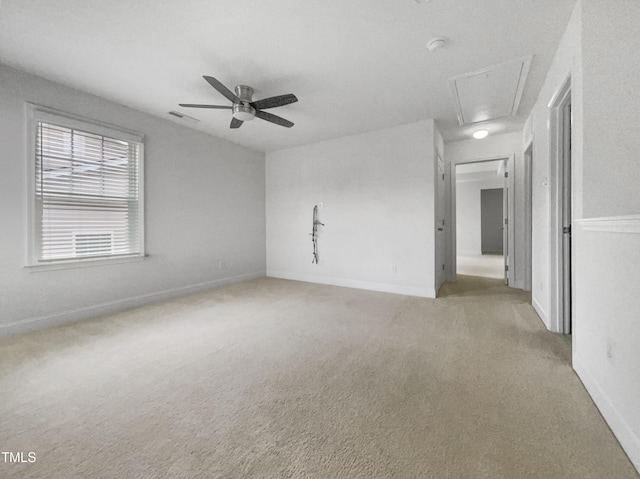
(83, 263)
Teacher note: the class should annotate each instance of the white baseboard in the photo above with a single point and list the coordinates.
(541, 312)
(49, 321)
(629, 441)
(357, 284)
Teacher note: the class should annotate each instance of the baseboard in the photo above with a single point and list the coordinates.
(541, 312)
(629, 441)
(49, 321)
(357, 284)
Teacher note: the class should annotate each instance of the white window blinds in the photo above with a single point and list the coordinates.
(87, 194)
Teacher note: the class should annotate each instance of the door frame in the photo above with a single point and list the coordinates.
(528, 216)
(440, 243)
(560, 159)
(509, 187)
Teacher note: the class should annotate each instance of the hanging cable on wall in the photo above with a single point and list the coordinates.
(314, 234)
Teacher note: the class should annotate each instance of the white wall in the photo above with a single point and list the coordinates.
(440, 191)
(606, 340)
(606, 207)
(611, 113)
(495, 146)
(378, 197)
(567, 62)
(468, 212)
(204, 204)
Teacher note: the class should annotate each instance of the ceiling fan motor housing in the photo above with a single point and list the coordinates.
(243, 111)
(242, 105)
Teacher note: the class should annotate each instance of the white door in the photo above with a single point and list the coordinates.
(439, 219)
(505, 222)
(566, 218)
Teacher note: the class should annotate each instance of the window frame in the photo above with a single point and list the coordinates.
(37, 113)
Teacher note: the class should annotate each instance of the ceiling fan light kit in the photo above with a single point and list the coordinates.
(243, 107)
(244, 111)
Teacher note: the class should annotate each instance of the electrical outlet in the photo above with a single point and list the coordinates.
(222, 265)
(321, 205)
(394, 269)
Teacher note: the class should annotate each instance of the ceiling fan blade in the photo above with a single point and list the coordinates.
(235, 123)
(195, 105)
(274, 101)
(222, 89)
(273, 119)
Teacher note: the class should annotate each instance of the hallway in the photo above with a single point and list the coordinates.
(485, 266)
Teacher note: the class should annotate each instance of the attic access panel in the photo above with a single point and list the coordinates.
(493, 92)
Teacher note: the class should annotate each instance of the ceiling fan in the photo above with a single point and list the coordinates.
(243, 107)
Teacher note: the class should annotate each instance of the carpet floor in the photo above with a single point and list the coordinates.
(486, 265)
(279, 379)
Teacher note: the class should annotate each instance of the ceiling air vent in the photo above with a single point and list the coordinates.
(183, 117)
(493, 92)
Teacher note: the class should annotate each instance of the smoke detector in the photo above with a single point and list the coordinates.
(435, 44)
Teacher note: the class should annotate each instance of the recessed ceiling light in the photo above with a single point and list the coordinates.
(480, 134)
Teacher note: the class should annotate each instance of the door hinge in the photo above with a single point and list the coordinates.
(506, 174)
(506, 221)
(506, 267)
(442, 267)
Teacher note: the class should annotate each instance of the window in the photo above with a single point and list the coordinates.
(86, 194)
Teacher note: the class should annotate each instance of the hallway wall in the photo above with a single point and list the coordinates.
(606, 207)
(494, 146)
(567, 63)
(607, 256)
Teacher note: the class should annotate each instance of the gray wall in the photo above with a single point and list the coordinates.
(205, 202)
(491, 220)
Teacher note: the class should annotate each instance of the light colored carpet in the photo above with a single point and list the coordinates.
(280, 379)
(486, 266)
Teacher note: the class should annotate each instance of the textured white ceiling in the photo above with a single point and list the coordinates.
(355, 65)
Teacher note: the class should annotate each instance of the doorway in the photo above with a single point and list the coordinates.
(562, 200)
(491, 219)
(528, 217)
(480, 200)
(566, 216)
